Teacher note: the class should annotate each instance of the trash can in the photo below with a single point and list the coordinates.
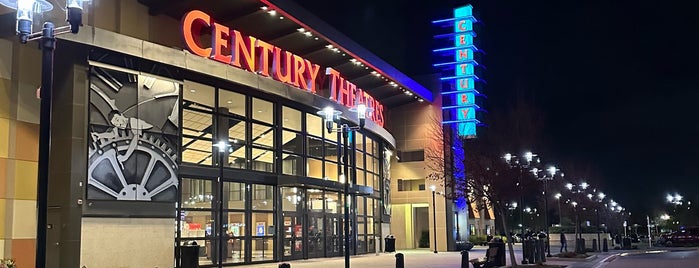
(189, 255)
(463, 245)
(499, 259)
(390, 243)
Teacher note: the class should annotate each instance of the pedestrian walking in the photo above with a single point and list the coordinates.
(564, 243)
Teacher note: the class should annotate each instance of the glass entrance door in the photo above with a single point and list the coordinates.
(316, 236)
(333, 239)
(293, 237)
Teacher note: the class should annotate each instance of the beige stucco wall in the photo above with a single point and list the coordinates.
(127, 242)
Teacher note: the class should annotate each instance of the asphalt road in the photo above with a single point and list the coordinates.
(662, 257)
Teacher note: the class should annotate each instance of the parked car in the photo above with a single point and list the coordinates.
(686, 236)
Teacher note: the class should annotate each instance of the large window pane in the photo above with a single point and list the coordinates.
(332, 202)
(314, 125)
(314, 168)
(262, 249)
(196, 193)
(263, 160)
(198, 96)
(359, 141)
(361, 202)
(370, 147)
(361, 177)
(292, 142)
(233, 102)
(196, 137)
(292, 164)
(291, 197)
(262, 197)
(235, 197)
(370, 205)
(315, 200)
(262, 110)
(331, 151)
(236, 224)
(291, 118)
(315, 146)
(197, 224)
(331, 172)
(263, 136)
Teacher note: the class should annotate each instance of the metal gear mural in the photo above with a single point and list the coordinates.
(133, 130)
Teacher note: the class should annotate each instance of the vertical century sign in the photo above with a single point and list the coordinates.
(459, 79)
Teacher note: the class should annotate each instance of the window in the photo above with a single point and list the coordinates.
(405, 185)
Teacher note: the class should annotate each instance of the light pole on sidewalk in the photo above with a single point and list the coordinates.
(47, 44)
(332, 116)
(434, 216)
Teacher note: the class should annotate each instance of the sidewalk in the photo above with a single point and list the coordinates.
(414, 258)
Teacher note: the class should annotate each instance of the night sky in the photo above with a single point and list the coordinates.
(616, 82)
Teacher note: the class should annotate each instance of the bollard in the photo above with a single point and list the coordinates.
(400, 261)
(594, 245)
(464, 259)
(605, 248)
(284, 265)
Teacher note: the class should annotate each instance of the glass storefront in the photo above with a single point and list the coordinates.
(260, 180)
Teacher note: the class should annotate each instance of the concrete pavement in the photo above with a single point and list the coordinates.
(417, 258)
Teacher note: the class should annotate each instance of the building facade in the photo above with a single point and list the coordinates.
(196, 121)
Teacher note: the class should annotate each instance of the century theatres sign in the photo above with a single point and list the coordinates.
(254, 55)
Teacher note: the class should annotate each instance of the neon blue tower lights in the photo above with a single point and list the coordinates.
(459, 87)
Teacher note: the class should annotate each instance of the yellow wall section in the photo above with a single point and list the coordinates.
(26, 173)
(23, 220)
(3, 203)
(4, 137)
(26, 145)
(3, 179)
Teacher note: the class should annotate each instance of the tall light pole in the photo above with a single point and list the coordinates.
(434, 216)
(511, 160)
(551, 172)
(331, 116)
(47, 43)
(560, 216)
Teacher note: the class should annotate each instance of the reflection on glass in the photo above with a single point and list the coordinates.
(331, 151)
(315, 200)
(196, 224)
(262, 110)
(262, 249)
(262, 197)
(196, 193)
(291, 118)
(332, 202)
(233, 102)
(235, 250)
(291, 197)
(262, 136)
(235, 195)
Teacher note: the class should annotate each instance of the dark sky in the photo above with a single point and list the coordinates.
(616, 82)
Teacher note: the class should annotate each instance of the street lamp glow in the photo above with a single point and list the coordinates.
(575, 204)
(552, 170)
(514, 204)
(508, 157)
(529, 156)
(589, 196)
(557, 195)
(569, 186)
(665, 217)
(433, 188)
(601, 195)
(584, 185)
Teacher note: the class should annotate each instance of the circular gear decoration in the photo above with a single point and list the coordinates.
(148, 174)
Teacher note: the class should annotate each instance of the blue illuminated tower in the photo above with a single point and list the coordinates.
(457, 60)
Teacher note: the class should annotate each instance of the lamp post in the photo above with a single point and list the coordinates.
(513, 162)
(552, 172)
(331, 116)
(47, 44)
(560, 213)
(223, 148)
(434, 216)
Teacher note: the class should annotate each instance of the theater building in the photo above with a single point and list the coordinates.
(197, 121)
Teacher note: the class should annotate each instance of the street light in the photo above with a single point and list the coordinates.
(560, 216)
(25, 19)
(330, 115)
(511, 160)
(552, 172)
(434, 216)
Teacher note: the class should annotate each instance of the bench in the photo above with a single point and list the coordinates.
(486, 262)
